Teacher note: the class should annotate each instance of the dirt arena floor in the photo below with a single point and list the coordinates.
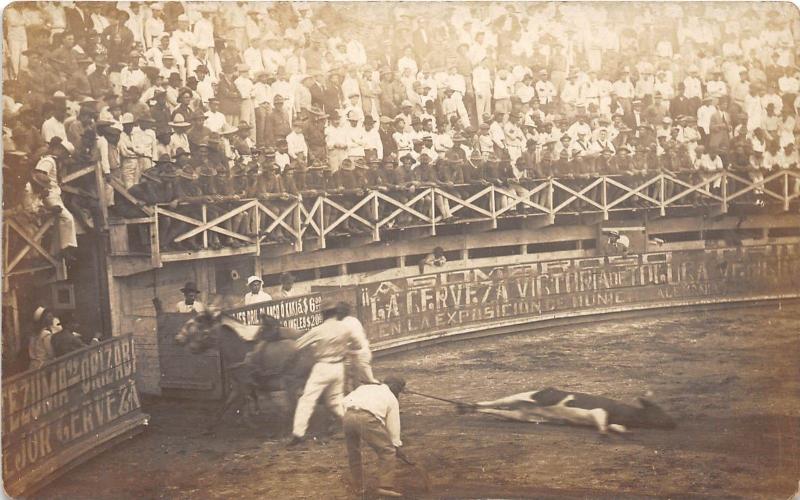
(731, 378)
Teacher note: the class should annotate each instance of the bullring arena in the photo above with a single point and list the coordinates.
(320, 249)
(728, 376)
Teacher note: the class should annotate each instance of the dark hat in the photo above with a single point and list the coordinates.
(190, 286)
(187, 172)
(164, 159)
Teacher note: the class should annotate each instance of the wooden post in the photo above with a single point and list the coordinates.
(257, 225)
(298, 225)
(155, 249)
(321, 213)
(661, 195)
(493, 207)
(724, 191)
(376, 232)
(605, 198)
(205, 219)
(6, 281)
(785, 191)
(101, 195)
(433, 211)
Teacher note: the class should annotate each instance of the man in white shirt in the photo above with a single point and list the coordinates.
(181, 43)
(453, 106)
(356, 138)
(373, 148)
(45, 173)
(155, 54)
(190, 304)
(372, 415)
(252, 57)
(256, 294)
(482, 83)
(245, 86)
(545, 90)
(330, 341)
(704, 113)
(296, 145)
(154, 26)
(287, 288)
(503, 86)
(356, 54)
(497, 133)
(205, 85)
(407, 62)
(204, 37)
(271, 55)
(693, 86)
(215, 120)
(360, 356)
(132, 75)
(54, 126)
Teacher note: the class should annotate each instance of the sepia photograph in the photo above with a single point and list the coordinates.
(400, 249)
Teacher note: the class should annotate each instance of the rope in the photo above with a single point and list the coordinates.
(438, 398)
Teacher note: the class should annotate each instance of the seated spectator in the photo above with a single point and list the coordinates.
(256, 294)
(67, 340)
(435, 258)
(40, 345)
(286, 288)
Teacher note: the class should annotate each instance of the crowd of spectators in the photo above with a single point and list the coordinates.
(190, 101)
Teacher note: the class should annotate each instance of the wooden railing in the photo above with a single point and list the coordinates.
(25, 238)
(246, 224)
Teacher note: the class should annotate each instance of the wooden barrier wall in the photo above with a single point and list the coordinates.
(200, 375)
(416, 309)
(66, 411)
(412, 309)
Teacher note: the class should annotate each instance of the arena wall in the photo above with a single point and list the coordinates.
(409, 309)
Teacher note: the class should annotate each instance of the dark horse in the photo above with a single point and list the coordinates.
(253, 357)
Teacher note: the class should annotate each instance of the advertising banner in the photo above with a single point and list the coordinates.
(454, 300)
(59, 413)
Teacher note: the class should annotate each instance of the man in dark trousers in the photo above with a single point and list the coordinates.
(372, 415)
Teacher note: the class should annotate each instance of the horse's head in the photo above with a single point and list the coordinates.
(198, 332)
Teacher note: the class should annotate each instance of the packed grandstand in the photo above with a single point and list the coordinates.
(184, 103)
